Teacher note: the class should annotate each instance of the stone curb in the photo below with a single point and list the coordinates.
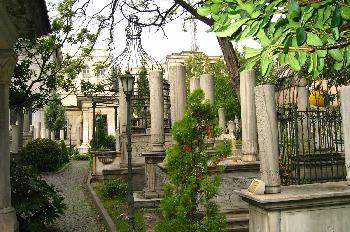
(59, 171)
(99, 206)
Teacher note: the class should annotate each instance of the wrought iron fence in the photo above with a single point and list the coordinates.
(310, 139)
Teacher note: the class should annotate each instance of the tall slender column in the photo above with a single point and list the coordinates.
(8, 221)
(85, 127)
(61, 134)
(177, 79)
(268, 137)
(94, 122)
(248, 116)
(157, 110)
(221, 112)
(207, 84)
(194, 84)
(345, 113)
(20, 119)
(78, 136)
(122, 109)
(303, 106)
(26, 124)
(15, 139)
(37, 130)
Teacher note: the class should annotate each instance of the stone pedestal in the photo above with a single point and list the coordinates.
(15, 139)
(345, 113)
(301, 208)
(221, 112)
(177, 80)
(8, 221)
(151, 161)
(248, 116)
(207, 85)
(157, 110)
(268, 137)
(194, 84)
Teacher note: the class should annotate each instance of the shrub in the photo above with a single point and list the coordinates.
(64, 152)
(116, 188)
(110, 142)
(101, 133)
(37, 203)
(44, 154)
(188, 204)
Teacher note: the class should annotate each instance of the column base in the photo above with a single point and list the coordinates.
(8, 220)
(248, 157)
(152, 194)
(272, 189)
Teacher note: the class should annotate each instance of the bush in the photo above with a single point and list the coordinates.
(116, 188)
(64, 152)
(44, 154)
(37, 203)
(110, 142)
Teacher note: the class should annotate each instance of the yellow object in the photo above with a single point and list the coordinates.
(316, 99)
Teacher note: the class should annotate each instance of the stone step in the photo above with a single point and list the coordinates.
(237, 221)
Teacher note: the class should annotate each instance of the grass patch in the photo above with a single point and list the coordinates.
(117, 208)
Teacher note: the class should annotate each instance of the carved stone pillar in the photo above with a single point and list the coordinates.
(8, 221)
(151, 161)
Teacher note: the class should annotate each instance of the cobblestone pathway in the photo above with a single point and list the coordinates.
(80, 216)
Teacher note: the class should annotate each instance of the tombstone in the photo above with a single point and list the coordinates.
(248, 116)
(221, 112)
(177, 80)
(194, 84)
(15, 139)
(207, 85)
(61, 134)
(52, 135)
(37, 132)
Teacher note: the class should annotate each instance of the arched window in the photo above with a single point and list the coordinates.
(86, 71)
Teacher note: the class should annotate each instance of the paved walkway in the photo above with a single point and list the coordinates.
(80, 216)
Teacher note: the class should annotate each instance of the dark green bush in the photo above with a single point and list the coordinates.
(44, 154)
(64, 152)
(116, 188)
(110, 142)
(37, 203)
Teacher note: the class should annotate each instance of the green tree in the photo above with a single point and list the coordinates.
(142, 91)
(101, 132)
(225, 95)
(54, 114)
(188, 201)
(297, 33)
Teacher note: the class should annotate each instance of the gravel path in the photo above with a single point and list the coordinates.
(80, 216)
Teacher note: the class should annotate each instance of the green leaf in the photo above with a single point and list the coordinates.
(255, 27)
(338, 65)
(263, 38)
(311, 65)
(336, 19)
(313, 39)
(315, 64)
(335, 32)
(251, 52)
(293, 9)
(282, 58)
(345, 12)
(301, 36)
(215, 8)
(321, 53)
(232, 28)
(265, 63)
(203, 11)
(336, 54)
(293, 62)
(255, 14)
(302, 57)
(320, 64)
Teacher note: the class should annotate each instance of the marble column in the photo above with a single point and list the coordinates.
(157, 110)
(177, 80)
(207, 84)
(122, 109)
(8, 221)
(15, 139)
(345, 113)
(268, 137)
(303, 122)
(78, 136)
(194, 84)
(52, 135)
(85, 127)
(43, 133)
(61, 134)
(37, 134)
(221, 112)
(248, 116)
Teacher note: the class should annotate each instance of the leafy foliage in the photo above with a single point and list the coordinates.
(225, 96)
(37, 203)
(54, 114)
(43, 154)
(101, 132)
(187, 204)
(110, 142)
(116, 188)
(142, 91)
(297, 33)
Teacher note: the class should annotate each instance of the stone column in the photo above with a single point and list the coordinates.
(85, 127)
(8, 221)
(43, 133)
(207, 84)
(26, 124)
(122, 109)
(31, 131)
(221, 112)
(303, 105)
(177, 79)
(61, 134)
(248, 116)
(268, 137)
(20, 119)
(15, 139)
(345, 113)
(157, 110)
(194, 84)
(52, 135)
(78, 136)
(37, 134)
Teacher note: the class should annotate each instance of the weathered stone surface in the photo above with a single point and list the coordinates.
(207, 85)
(15, 139)
(177, 80)
(345, 112)
(221, 112)
(194, 84)
(268, 137)
(151, 161)
(248, 116)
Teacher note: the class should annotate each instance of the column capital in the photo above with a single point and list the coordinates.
(8, 61)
